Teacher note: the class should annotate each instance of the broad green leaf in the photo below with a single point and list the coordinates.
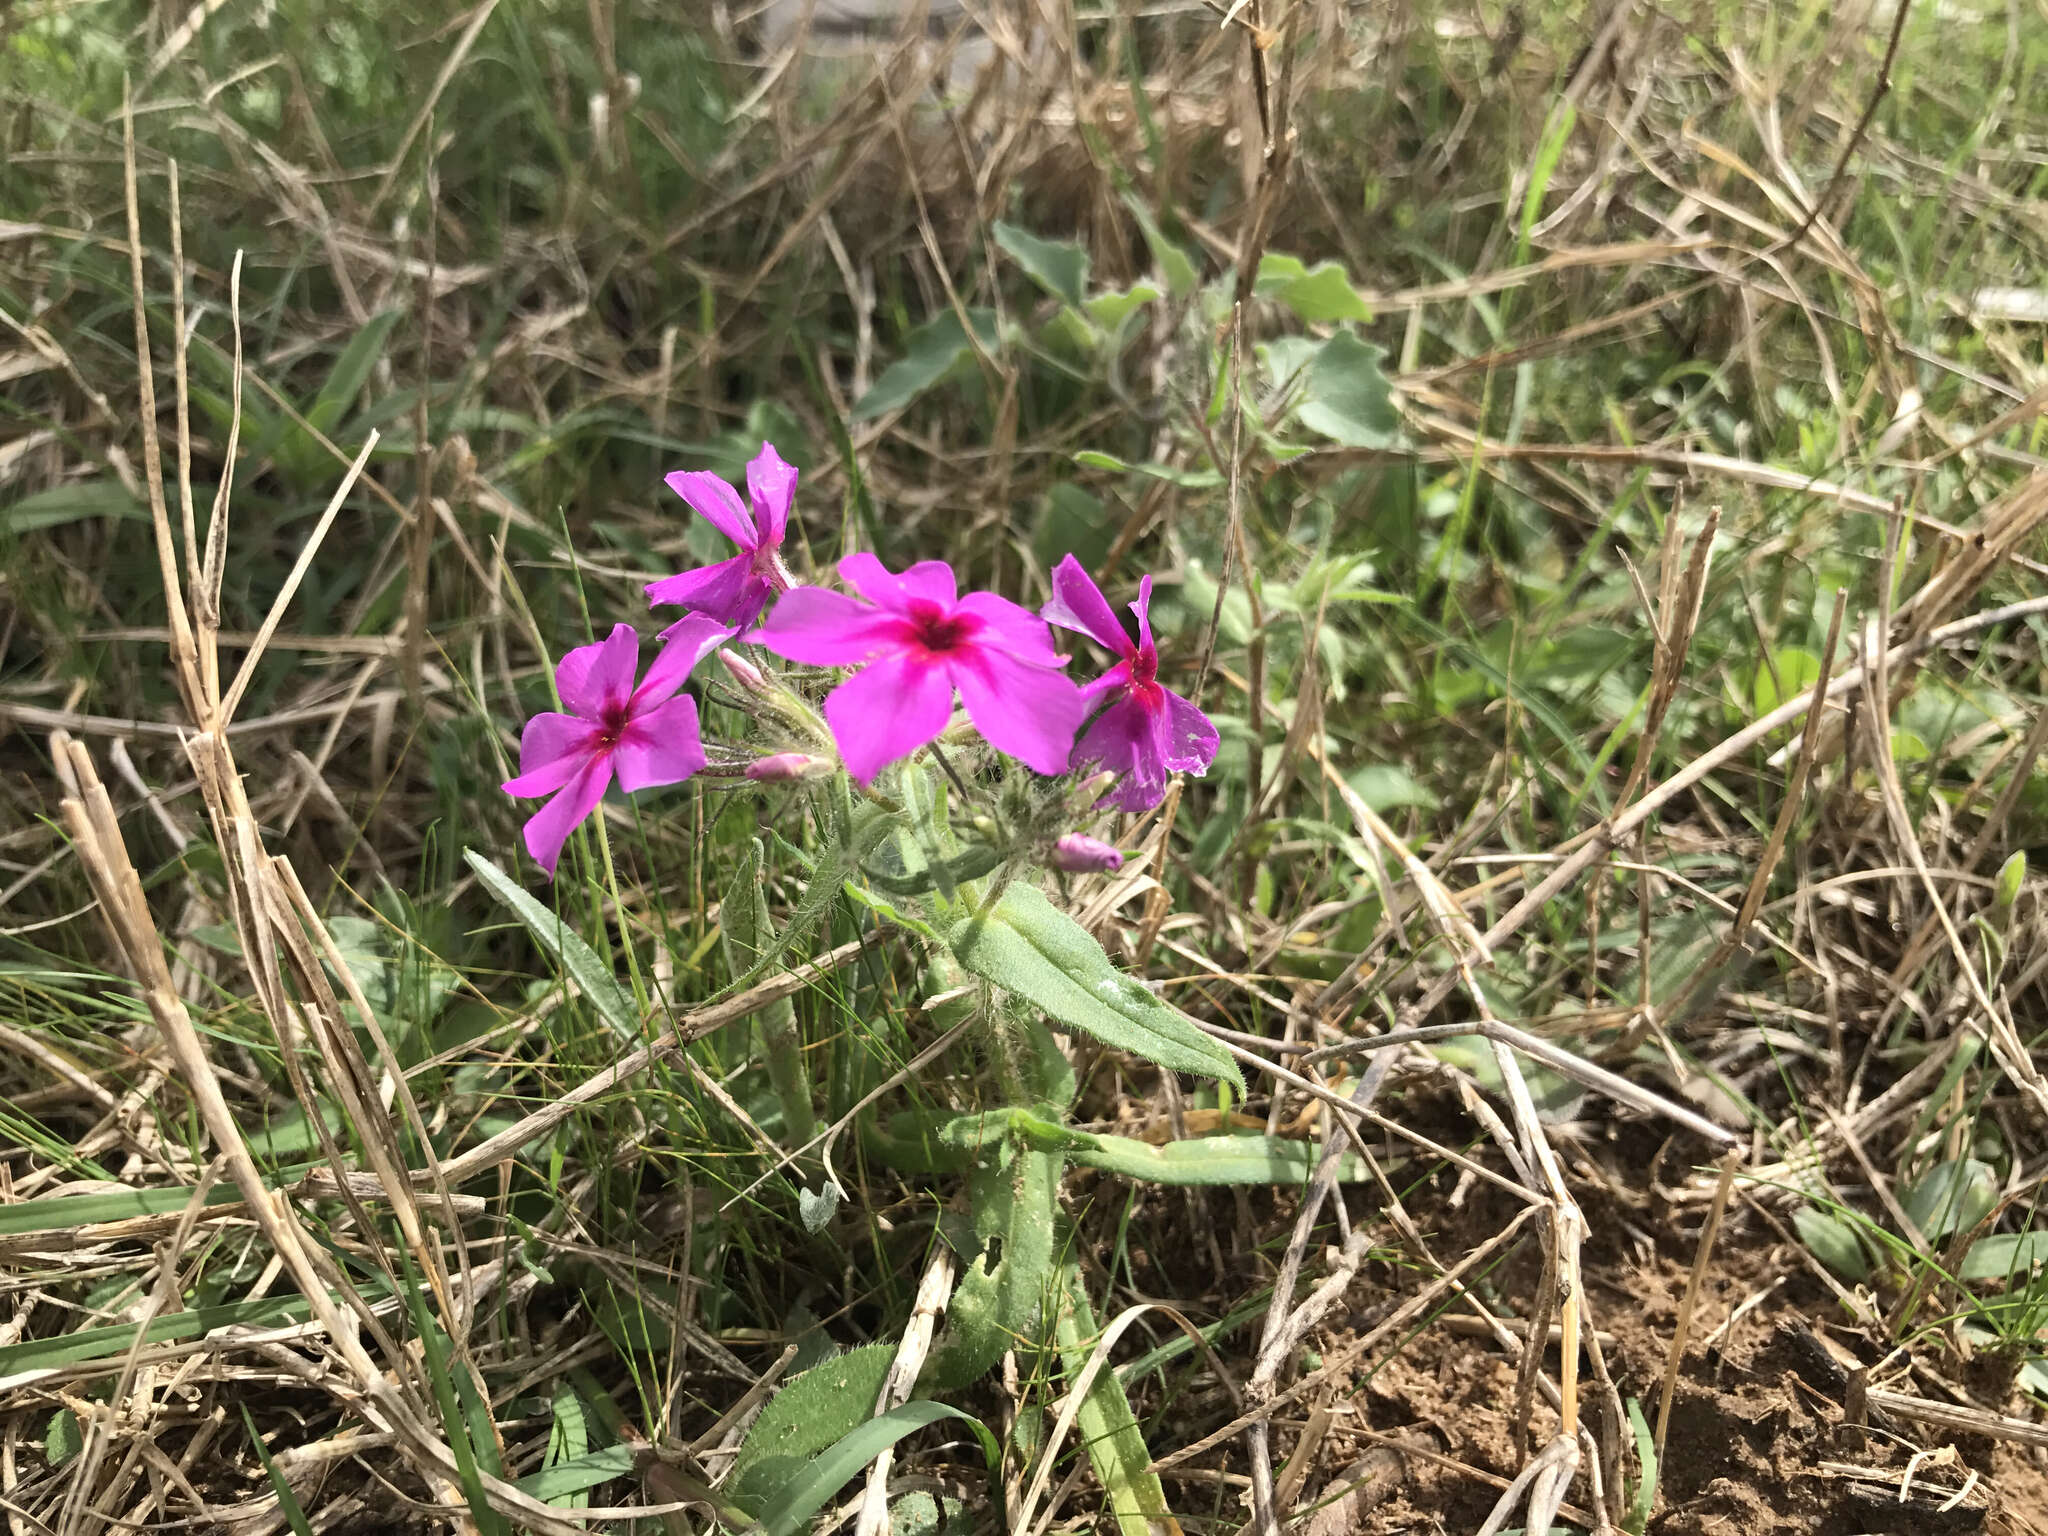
(1228, 1159)
(64, 1438)
(812, 1412)
(2012, 874)
(807, 1491)
(1060, 267)
(560, 1483)
(931, 352)
(1110, 310)
(2005, 1256)
(1285, 357)
(345, 380)
(1344, 395)
(593, 978)
(1106, 1425)
(1029, 947)
(917, 1513)
(62, 504)
(1797, 669)
(1951, 1197)
(816, 1207)
(1832, 1241)
(1016, 1216)
(291, 1134)
(1388, 786)
(569, 1453)
(1174, 263)
(1318, 295)
(1071, 521)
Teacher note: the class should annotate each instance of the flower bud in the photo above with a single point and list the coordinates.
(744, 672)
(1090, 789)
(787, 767)
(1079, 854)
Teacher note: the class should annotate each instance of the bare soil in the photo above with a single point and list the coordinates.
(1760, 1441)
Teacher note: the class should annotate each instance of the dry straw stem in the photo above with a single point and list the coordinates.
(1993, 1022)
(1730, 1162)
(1674, 619)
(282, 936)
(933, 1292)
(1286, 1324)
(1337, 1364)
(1581, 852)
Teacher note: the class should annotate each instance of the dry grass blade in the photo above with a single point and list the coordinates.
(933, 1292)
(247, 671)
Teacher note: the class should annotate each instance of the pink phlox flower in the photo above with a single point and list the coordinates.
(917, 642)
(1144, 731)
(643, 736)
(735, 591)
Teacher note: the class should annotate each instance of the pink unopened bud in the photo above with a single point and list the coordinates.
(1079, 854)
(787, 767)
(744, 672)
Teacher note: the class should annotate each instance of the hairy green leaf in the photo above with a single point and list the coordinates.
(806, 1492)
(814, 1411)
(1060, 267)
(1345, 395)
(593, 978)
(1228, 1159)
(932, 351)
(1029, 947)
(1106, 1425)
(995, 1306)
(1318, 294)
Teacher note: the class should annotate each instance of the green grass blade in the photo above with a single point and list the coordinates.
(833, 1468)
(287, 1501)
(598, 983)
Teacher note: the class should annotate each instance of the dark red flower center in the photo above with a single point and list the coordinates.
(611, 725)
(940, 632)
(1145, 666)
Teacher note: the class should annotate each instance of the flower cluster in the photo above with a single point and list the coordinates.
(913, 646)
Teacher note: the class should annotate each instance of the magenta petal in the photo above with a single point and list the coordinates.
(551, 825)
(1078, 604)
(828, 629)
(660, 747)
(1143, 609)
(594, 677)
(887, 711)
(686, 642)
(551, 749)
(1017, 630)
(716, 502)
(1030, 712)
(771, 486)
(1127, 738)
(731, 592)
(931, 580)
(1190, 744)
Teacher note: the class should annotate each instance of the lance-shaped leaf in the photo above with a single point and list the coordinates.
(1029, 947)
